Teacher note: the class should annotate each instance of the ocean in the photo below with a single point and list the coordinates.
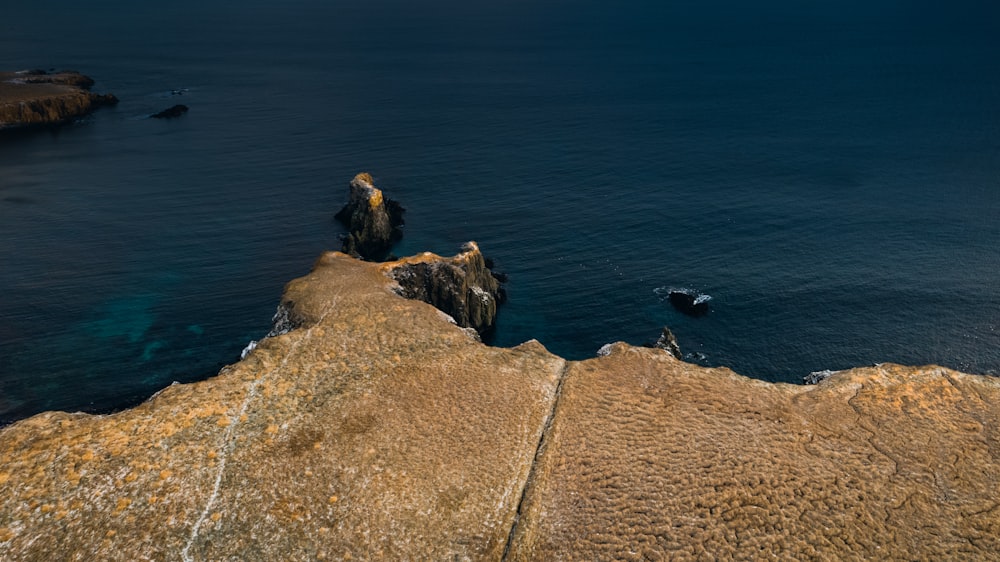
(828, 171)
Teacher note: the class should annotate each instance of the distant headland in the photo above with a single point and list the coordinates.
(33, 98)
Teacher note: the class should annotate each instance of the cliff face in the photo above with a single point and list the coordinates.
(32, 98)
(462, 287)
(377, 429)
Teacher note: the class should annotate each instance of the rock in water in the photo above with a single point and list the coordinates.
(668, 342)
(374, 221)
(171, 112)
(461, 287)
(689, 302)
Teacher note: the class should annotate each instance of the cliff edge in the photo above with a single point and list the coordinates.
(378, 429)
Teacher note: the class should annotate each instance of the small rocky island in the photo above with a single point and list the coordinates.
(374, 222)
(31, 98)
(374, 427)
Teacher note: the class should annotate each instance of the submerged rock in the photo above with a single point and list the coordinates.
(462, 287)
(374, 222)
(171, 112)
(32, 98)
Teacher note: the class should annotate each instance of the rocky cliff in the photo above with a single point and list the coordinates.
(462, 287)
(35, 97)
(378, 429)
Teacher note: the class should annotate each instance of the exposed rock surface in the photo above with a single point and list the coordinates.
(376, 429)
(667, 342)
(816, 377)
(35, 97)
(374, 222)
(462, 286)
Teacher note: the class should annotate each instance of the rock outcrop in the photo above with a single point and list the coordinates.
(689, 302)
(376, 429)
(171, 112)
(817, 377)
(462, 287)
(667, 342)
(36, 98)
(374, 222)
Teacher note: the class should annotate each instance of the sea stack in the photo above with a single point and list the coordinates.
(374, 222)
(32, 98)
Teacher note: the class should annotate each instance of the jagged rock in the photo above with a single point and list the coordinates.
(171, 112)
(378, 430)
(284, 320)
(374, 222)
(37, 98)
(817, 377)
(462, 286)
(668, 342)
(689, 302)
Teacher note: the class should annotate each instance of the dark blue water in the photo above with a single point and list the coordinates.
(829, 171)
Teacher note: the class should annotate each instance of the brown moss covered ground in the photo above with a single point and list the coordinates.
(651, 458)
(379, 430)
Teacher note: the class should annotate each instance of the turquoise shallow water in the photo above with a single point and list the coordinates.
(827, 172)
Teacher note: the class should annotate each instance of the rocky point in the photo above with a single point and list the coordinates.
(371, 426)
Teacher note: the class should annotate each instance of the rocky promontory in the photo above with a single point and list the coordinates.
(36, 97)
(375, 428)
